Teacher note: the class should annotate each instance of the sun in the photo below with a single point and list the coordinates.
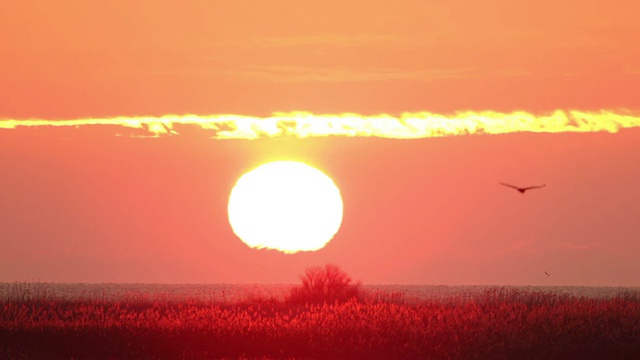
(287, 206)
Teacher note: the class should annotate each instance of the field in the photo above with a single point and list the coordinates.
(498, 324)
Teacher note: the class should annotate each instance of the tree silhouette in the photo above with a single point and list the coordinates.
(325, 284)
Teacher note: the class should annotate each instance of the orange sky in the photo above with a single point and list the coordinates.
(84, 205)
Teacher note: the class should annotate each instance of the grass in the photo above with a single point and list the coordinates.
(498, 324)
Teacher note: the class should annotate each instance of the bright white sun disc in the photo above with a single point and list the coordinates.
(286, 206)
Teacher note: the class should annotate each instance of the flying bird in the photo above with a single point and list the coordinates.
(546, 273)
(523, 189)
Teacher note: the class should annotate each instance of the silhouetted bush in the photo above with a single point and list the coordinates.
(326, 284)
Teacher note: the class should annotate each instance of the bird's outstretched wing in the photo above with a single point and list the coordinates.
(523, 189)
(534, 187)
(511, 186)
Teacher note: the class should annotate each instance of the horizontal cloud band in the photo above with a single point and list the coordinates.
(406, 126)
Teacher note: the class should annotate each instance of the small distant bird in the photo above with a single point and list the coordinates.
(546, 273)
(523, 189)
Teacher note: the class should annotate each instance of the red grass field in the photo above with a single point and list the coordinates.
(499, 324)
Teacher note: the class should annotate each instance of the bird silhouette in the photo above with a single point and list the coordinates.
(523, 189)
(546, 273)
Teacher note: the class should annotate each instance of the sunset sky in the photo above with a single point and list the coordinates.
(99, 203)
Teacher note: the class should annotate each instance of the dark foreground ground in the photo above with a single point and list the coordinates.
(499, 324)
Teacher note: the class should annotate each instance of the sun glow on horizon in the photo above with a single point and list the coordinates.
(405, 126)
(286, 206)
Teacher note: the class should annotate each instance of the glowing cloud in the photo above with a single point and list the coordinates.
(406, 126)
